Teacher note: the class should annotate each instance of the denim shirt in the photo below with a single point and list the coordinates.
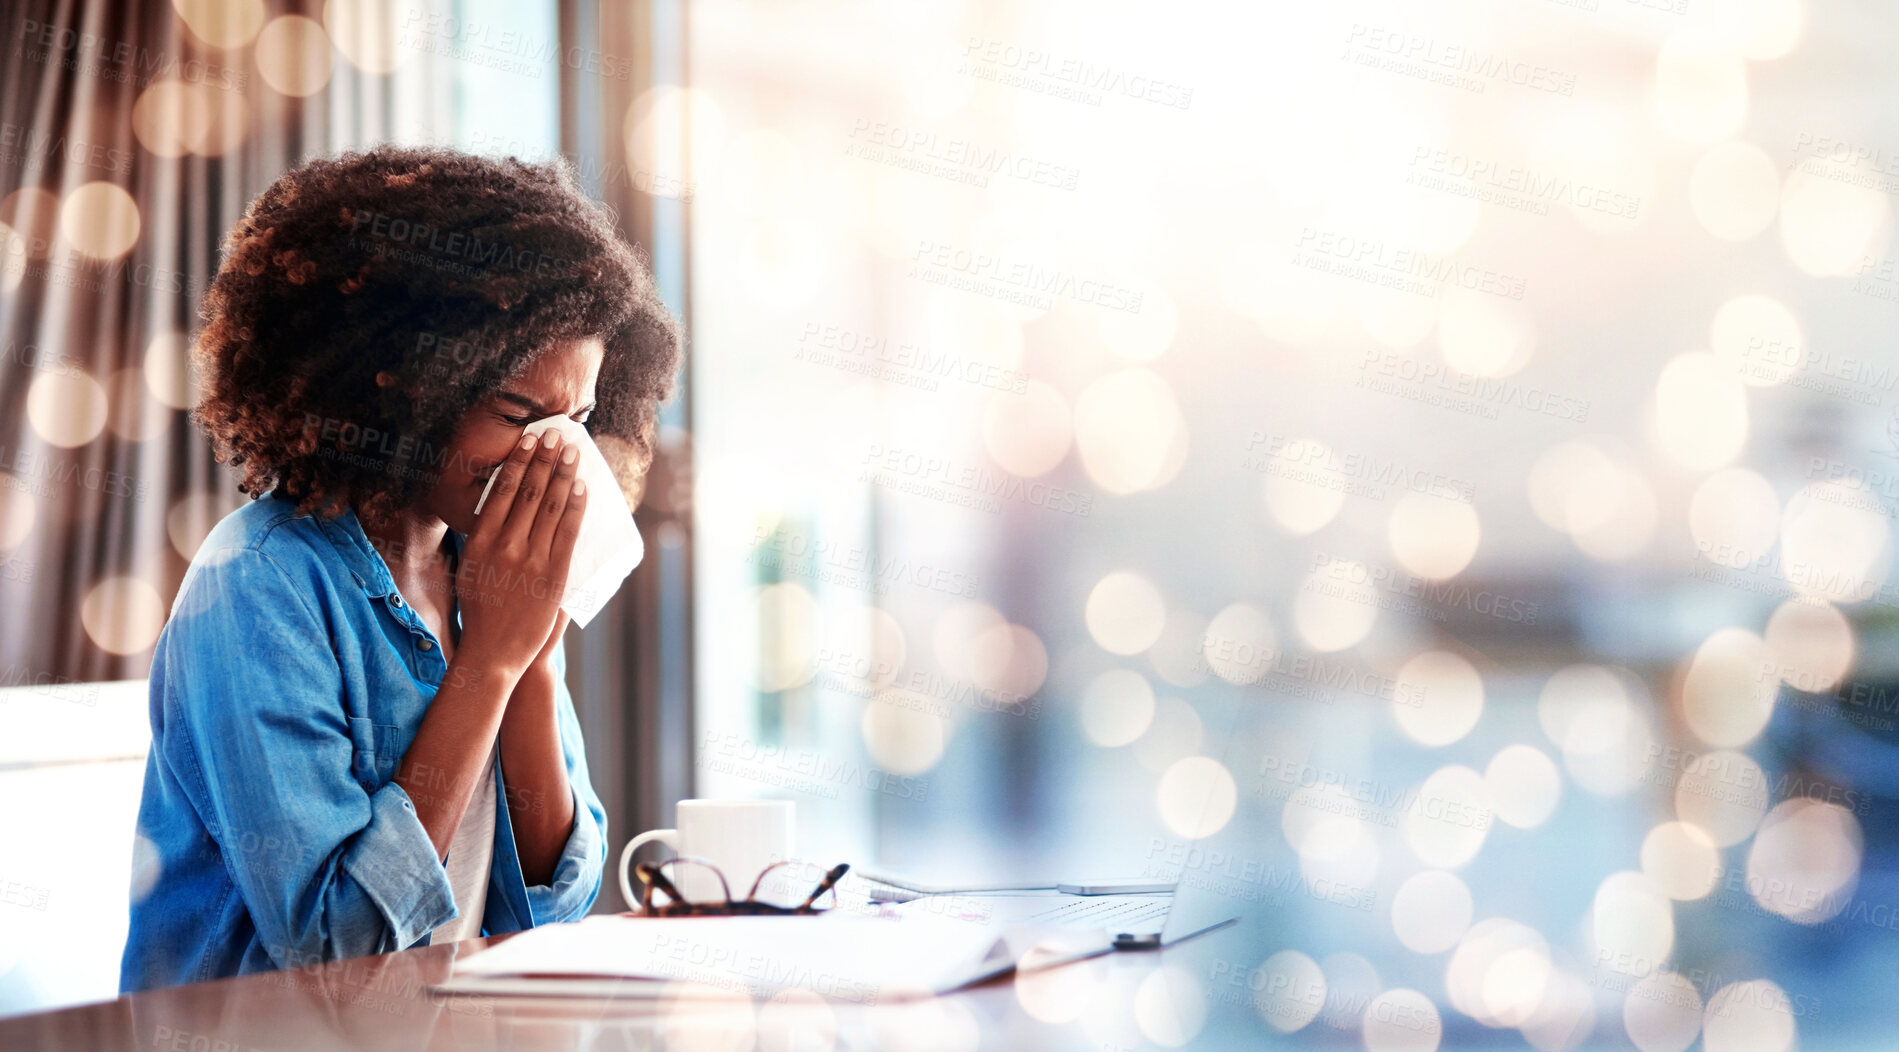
(285, 688)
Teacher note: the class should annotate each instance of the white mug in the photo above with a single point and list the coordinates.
(741, 837)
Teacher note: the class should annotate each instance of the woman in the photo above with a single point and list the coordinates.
(361, 736)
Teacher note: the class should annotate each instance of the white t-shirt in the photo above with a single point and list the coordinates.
(470, 855)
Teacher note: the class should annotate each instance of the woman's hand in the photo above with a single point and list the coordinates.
(514, 566)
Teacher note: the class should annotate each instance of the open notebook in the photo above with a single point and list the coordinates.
(868, 958)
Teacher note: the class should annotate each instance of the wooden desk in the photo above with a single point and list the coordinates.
(381, 1002)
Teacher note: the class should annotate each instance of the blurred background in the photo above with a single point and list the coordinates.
(1450, 450)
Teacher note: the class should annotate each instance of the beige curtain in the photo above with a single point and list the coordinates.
(130, 141)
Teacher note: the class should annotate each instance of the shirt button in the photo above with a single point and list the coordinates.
(426, 645)
(398, 602)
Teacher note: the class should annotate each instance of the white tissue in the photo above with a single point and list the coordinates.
(609, 545)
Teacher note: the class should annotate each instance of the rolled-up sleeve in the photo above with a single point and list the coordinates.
(571, 891)
(327, 868)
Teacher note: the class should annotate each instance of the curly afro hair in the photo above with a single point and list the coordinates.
(444, 270)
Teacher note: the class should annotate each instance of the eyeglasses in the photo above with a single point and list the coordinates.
(652, 877)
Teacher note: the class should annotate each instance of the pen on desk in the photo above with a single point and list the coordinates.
(824, 885)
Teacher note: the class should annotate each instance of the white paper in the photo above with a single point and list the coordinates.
(609, 545)
(859, 958)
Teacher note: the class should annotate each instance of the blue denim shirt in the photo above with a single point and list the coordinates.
(286, 686)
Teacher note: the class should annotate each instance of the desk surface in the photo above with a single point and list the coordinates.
(383, 1002)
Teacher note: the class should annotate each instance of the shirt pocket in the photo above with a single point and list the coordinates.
(379, 750)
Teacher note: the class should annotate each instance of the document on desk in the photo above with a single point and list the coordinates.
(854, 956)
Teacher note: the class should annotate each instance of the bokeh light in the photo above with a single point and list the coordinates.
(1752, 1016)
(1447, 824)
(1633, 922)
(99, 219)
(1336, 605)
(294, 55)
(1170, 1006)
(1525, 785)
(1431, 911)
(1116, 708)
(904, 731)
(1758, 338)
(1662, 1012)
(1196, 797)
(1303, 490)
(1721, 793)
(1129, 431)
(1728, 690)
(171, 117)
(122, 615)
(1700, 87)
(1829, 227)
(221, 23)
(1700, 411)
(1734, 517)
(1438, 698)
(1835, 543)
(1401, 1021)
(1811, 644)
(1681, 859)
(788, 633)
(367, 33)
(1734, 190)
(1804, 862)
(1290, 991)
(1432, 536)
(1027, 434)
(66, 407)
(1239, 643)
(1125, 612)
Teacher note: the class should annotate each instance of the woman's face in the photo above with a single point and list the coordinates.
(557, 382)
